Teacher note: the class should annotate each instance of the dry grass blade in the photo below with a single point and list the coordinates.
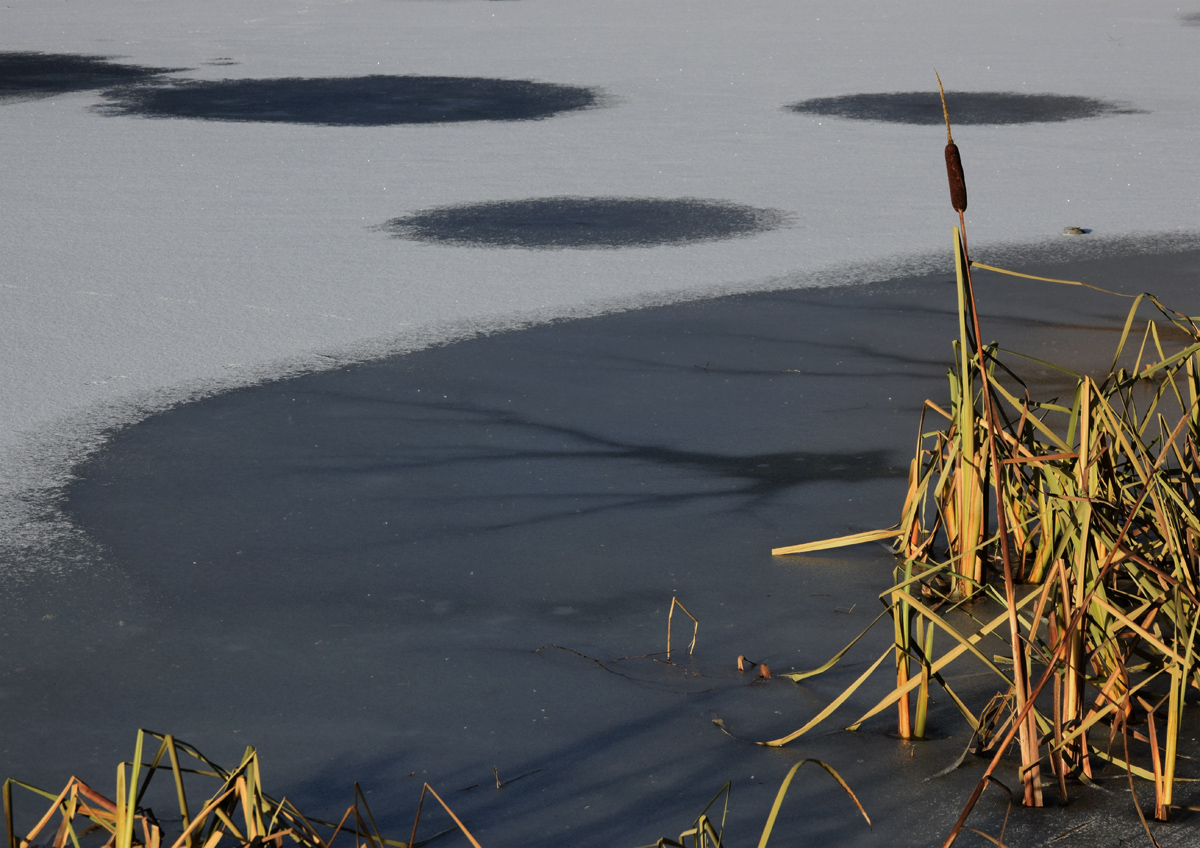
(703, 833)
(839, 542)
(770, 825)
(829, 710)
(446, 807)
(1047, 279)
(797, 676)
(675, 602)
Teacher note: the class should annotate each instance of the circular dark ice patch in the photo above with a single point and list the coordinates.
(352, 101)
(550, 223)
(26, 75)
(966, 107)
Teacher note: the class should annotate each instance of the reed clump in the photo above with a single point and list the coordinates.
(238, 813)
(1080, 518)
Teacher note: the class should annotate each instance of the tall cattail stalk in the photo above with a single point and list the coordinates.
(1030, 757)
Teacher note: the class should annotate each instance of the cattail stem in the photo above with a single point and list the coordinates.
(901, 624)
(1030, 770)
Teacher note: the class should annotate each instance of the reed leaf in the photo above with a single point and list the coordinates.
(770, 825)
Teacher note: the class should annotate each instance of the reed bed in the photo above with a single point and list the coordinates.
(1080, 518)
(238, 813)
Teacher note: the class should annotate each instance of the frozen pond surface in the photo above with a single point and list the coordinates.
(192, 210)
(354, 569)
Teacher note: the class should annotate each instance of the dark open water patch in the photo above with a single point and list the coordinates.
(369, 101)
(550, 223)
(1190, 19)
(27, 75)
(966, 107)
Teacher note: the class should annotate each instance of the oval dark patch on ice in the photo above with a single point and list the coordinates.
(1190, 19)
(966, 107)
(353, 101)
(549, 223)
(28, 75)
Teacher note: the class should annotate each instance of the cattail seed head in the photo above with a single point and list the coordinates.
(958, 182)
(954, 168)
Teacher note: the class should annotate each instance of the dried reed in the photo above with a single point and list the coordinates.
(239, 809)
(1097, 509)
(704, 833)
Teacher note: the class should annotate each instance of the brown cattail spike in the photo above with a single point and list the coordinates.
(958, 183)
(954, 168)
